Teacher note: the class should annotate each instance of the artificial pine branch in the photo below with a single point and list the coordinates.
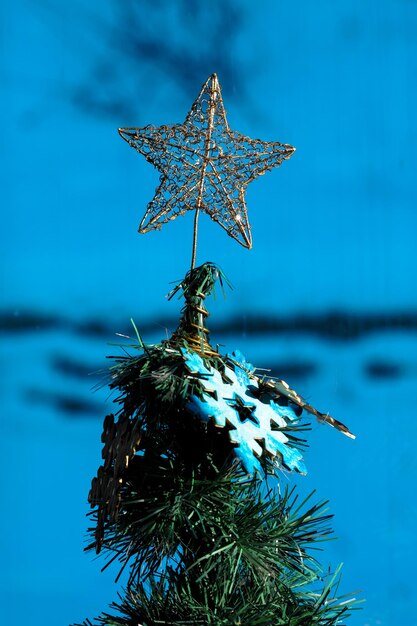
(204, 542)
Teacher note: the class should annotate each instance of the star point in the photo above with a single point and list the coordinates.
(204, 165)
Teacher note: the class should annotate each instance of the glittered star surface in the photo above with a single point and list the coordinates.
(204, 165)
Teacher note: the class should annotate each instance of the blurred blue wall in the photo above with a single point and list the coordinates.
(332, 269)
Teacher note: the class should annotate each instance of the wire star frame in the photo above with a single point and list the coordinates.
(204, 166)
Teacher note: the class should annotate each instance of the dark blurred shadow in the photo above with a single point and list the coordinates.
(332, 326)
(75, 371)
(384, 370)
(146, 43)
(66, 404)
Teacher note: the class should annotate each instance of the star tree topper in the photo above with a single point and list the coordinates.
(204, 166)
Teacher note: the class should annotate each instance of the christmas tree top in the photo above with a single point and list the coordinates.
(180, 496)
(205, 166)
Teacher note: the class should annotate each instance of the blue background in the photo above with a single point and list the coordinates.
(334, 235)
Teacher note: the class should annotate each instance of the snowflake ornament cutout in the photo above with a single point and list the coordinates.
(255, 427)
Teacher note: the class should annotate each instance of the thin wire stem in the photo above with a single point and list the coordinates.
(210, 126)
(195, 234)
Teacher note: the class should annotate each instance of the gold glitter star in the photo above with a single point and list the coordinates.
(204, 166)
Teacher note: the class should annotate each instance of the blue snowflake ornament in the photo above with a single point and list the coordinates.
(230, 399)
